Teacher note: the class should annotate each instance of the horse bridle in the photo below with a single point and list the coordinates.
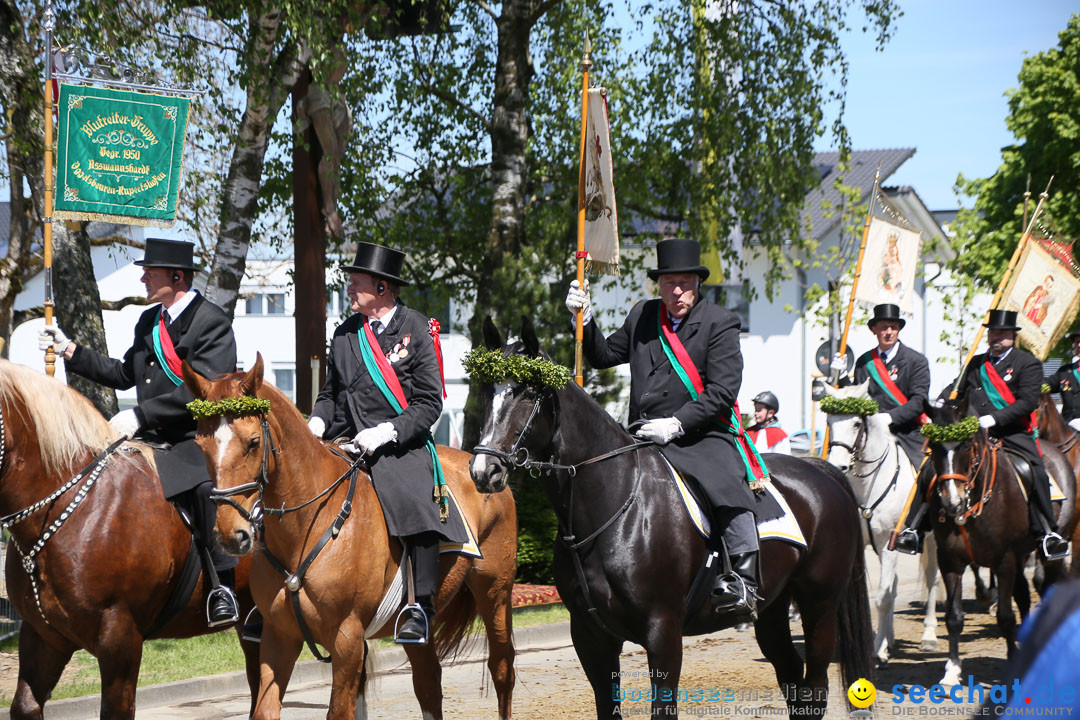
(293, 580)
(855, 449)
(970, 510)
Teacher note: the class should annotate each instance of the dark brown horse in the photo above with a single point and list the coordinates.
(1054, 430)
(628, 552)
(981, 519)
(304, 487)
(101, 573)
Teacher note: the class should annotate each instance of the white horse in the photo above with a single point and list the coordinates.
(882, 477)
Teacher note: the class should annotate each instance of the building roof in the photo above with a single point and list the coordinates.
(860, 174)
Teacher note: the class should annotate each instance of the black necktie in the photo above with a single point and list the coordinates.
(376, 327)
(167, 318)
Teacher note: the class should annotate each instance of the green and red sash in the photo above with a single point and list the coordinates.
(1001, 397)
(756, 472)
(1077, 376)
(386, 380)
(166, 353)
(880, 374)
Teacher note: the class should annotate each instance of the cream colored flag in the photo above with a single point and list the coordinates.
(601, 217)
(888, 270)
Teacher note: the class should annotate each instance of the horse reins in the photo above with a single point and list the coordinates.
(293, 580)
(867, 511)
(91, 473)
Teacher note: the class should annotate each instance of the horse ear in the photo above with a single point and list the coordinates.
(829, 389)
(196, 383)
(253, 378)
(528, 337)
(492, 337)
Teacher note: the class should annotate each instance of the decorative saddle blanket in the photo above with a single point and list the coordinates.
(785, 527)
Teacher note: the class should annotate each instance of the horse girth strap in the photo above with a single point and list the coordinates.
(295, 580)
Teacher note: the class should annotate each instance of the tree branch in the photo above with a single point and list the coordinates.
(451, 100)
(487, 8)
(541, 11)
(656, 214)
(117, 240)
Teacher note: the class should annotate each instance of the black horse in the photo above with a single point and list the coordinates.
(628, 553)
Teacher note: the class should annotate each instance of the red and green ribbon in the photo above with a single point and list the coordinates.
(756, 472)
(386, 380)
(880, 374)
(1001, 397)
(166, 353)
(1077, 376)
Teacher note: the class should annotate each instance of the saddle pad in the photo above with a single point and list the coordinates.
(785, 527)
(470, 547)
(391, 601)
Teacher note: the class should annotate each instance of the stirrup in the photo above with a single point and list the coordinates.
(911, 535)
(737, 599)
(222, 591)
(1053, 537)
(404, 613)
(251, 628)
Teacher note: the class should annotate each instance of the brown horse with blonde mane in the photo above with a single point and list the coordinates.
(338, 580)
(99, 575)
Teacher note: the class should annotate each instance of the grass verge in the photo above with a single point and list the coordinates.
(170, 660)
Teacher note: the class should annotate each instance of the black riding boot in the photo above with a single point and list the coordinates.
(736, 592)
(909, 540)
(424, 552)
(221, 605)
(1043, 523)
(415, 626)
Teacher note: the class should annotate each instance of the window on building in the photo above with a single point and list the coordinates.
(285, 380)
(253, 304)
(732, 296)
(275, 303)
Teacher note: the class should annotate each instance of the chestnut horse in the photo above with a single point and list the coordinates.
(104, 570)
(272, 460)
(981, 519)
(628, 552)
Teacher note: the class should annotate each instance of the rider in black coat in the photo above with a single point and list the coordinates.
(665, 412)
(1066, 381)
(201, 334)
(1013, 425)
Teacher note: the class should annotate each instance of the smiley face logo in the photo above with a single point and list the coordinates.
(862, 692)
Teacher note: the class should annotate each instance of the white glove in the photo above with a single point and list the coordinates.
(987, 421)
(883, 417)
(125, 423)
(54, 336)
(316, 426)
(578, 299)
(661, 431)
(1075, 424)
(373, 438)
(838, 363)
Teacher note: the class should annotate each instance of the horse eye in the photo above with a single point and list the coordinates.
(253, 442)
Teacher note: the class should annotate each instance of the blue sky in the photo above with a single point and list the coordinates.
(939, 86)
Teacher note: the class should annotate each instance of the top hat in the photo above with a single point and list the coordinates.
(378, 260)
(1001, 320)
(886, 311)
(678, 256)
(173, 254)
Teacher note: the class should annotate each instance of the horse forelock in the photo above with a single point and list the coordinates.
(66, 425)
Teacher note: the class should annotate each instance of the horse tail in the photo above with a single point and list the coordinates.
(452, 626)
(856, 635)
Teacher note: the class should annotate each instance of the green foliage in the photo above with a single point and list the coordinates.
(848, 406)
(246, 405)
(1044, 389)
(537, 527)
(956, 432)
(491, 366)
(1044, 118)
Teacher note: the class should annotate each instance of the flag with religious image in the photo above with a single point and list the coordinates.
(601, 217)
(1045, 293)
(889, 263)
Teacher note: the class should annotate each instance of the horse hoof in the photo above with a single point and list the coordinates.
(929, 645)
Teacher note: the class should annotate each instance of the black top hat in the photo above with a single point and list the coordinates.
(1001, 320)
(163, 253)
(886, 311)
(378, 260)
(1075, 332)
(678, 256)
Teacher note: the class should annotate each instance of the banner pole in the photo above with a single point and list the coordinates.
(50, 23)
(579, 328)
(851, 300)
(1001, 287)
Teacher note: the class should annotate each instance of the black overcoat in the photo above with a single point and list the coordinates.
(1022, 372)
(706, 452)
(202, 336)
(1065, 381)
(911, 373)
(350, 401)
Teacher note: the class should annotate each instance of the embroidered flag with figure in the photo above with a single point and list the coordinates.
(601, 217)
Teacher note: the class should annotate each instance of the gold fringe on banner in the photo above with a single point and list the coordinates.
(115, 219)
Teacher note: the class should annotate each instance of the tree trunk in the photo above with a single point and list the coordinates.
(269, 85)
(78, 303)
(509, 133)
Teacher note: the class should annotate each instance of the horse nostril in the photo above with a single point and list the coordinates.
(243, 538)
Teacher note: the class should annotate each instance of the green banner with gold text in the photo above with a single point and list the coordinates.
(119, 155)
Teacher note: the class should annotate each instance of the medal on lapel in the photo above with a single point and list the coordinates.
(1008, 375)
(894, 372)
